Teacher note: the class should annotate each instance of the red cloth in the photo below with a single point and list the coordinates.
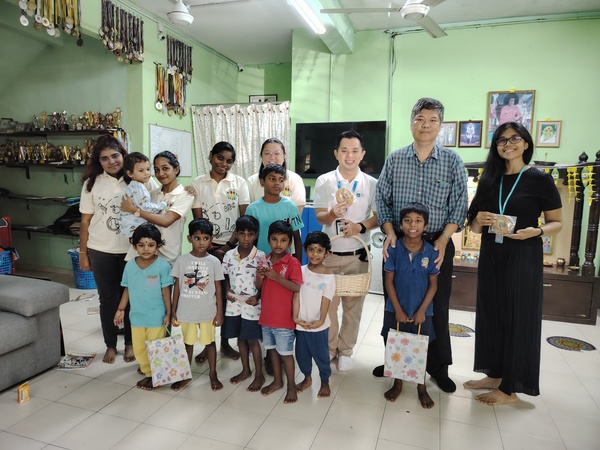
(276, 301)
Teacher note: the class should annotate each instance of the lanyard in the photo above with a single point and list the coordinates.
(502, 206)
(339, 184)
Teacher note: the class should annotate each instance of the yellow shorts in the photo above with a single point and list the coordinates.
(190, 333)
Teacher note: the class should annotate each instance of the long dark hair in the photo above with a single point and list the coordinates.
(173, 161)
(262, 147)
(93, 167)
(495, 167)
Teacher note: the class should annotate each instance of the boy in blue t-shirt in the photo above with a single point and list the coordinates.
(272, 207)
(411, 283)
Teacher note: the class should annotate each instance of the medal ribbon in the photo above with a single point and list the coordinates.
(354, 185)
(502, 206)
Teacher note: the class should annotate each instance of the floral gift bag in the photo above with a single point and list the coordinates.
(168, 360)
(406, 355)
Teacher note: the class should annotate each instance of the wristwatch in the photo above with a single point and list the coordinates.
(363, 229)
(137, 213)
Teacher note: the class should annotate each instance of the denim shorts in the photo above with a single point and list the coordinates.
(280, 339)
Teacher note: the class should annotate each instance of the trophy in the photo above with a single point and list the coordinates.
(43, 121)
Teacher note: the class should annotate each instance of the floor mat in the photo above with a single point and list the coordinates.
(458, 330)
(572, 344)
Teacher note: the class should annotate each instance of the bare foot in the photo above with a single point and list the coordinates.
(304, 385)
(228, 351)
(215, 384)
(201, 357)
(129, 356)
(139, 370)
(424, 398)
(145, 384)
(268, 390)
(496, 397)
(256, 384)
(109, 356)
(325, 391)
(484, 383)
(291, 396)
(179, 385)
(240, 377)
(394, 392)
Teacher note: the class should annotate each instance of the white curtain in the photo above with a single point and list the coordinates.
(245, 127)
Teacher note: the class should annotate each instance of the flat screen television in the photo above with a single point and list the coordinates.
(315, 143)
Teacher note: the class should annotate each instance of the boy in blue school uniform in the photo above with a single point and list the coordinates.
(411, 283)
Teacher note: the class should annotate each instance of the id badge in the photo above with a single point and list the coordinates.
(338, 227)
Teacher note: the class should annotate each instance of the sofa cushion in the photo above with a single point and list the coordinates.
(28, 296)
(17, 331)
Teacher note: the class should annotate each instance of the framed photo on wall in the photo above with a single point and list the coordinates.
(548, 133)
(470, 133)
(509, 106)
(447, 135)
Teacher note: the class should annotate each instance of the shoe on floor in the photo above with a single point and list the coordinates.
(378, 371)
(445, 383)
(344, 363)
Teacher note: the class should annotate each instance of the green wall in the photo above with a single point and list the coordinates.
(559, 60)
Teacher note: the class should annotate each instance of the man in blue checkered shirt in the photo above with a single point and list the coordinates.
(427, 173)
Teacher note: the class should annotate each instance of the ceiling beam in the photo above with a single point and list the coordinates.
(339, 37)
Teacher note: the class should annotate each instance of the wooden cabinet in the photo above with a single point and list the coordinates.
(568, 296)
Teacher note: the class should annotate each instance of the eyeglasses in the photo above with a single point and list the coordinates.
(268, 153)
(514, 139)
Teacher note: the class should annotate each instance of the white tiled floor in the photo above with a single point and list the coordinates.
(99, 407)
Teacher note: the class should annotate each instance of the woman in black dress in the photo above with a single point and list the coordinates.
(509, 288)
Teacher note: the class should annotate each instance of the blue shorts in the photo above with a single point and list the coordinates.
(247, 330)
(280, 339)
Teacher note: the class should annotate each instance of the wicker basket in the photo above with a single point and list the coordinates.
(354, 285)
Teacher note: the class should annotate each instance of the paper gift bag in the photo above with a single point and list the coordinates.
(168, 360)
(406, 355)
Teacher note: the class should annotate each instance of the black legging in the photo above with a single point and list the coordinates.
(108, 271)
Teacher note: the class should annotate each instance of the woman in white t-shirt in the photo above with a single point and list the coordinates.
(102, 244)
(170, 221)
(272, 151)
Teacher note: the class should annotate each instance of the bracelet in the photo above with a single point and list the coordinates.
(82, 253)
(446, 236)
(332, 214)
(541, 231)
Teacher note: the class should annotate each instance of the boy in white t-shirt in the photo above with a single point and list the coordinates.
(310, 312)
(242, 309)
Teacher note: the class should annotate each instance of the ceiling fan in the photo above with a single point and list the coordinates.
(180, 14)
(415, 10)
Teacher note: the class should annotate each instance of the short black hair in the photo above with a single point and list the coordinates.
(270, 168)
(318, 237)
(349, 134)
(281, 227)
(247, 223)
(129, 163)
(202, 225)
(147, 230)
(415, 207)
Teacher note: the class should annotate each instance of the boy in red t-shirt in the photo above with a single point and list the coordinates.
(278, 281)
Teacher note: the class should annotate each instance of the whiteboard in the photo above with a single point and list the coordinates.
(177, 142)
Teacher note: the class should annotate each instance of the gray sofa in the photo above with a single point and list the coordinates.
(30, 340)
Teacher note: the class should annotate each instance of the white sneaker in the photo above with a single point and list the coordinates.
(344, 363)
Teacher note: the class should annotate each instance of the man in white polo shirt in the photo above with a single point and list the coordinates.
(345, 205)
